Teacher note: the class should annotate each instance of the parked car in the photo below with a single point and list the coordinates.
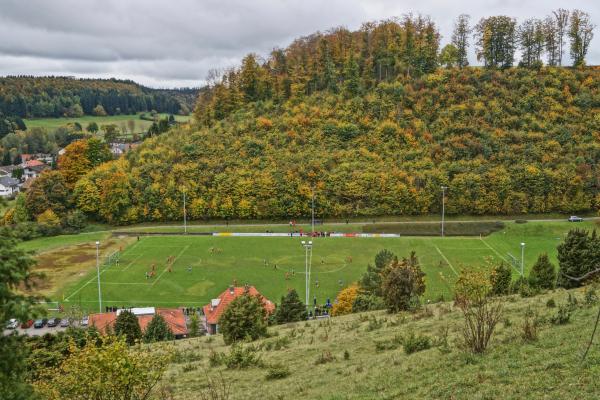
(27, 324)
(40, 323)
(12, 324)
(53, 322)
(575, 218)
(64, 323)
(84, 321)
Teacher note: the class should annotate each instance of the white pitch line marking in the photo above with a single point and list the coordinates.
(448, 261)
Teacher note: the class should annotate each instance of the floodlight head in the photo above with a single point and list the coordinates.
(310, 242)
(522, 244)
(303, 243)
(97, 243)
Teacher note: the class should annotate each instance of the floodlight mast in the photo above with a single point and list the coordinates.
(98, 274)
(443, 206)
(307, 247)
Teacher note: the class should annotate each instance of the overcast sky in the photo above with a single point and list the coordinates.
(175, 43)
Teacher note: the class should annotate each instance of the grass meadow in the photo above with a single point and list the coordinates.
(361, 356)
(119, 120)
(205, 265)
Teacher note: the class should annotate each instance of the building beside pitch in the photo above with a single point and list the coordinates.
(214, 310)
(174, 318)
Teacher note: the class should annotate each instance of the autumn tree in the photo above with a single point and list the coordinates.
(100, 111)
(460, 39)
(403, 284)
(581, 32)
(449, 56)
(105, 368)
(49, 191)
(530, 35)
(496, 41)
(74, 163)
(561, 19)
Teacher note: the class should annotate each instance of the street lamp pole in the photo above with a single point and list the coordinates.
(98, 272)
(184, 214)
(522, 257)
(307, 248)
(443, 206)
(313, 212)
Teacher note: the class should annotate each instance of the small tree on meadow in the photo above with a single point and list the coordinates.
(92, 127)
(473, 291)
(371, 279)
(127, 325)
(403, 284)
(194, 327)
(245, 317)
(543, 274)
(578, 254)
(157, 330)
(291, 308)
(500, 279)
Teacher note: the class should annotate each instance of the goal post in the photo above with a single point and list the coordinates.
(113, 258)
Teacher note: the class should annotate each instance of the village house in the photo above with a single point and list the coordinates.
(9, 186)
(174, 318)
(118, 149)
(214, 310)
(33, 168)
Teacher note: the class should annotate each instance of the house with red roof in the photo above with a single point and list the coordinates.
(174, 318)
(33, 168)
(214, 310)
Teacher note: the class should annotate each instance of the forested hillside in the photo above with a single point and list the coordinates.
(373, 124)
(31, 97)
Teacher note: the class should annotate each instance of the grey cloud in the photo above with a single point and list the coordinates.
(167, 43)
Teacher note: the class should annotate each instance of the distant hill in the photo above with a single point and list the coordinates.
(55, 96)
(372, 123)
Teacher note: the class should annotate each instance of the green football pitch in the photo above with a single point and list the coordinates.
(204, 266)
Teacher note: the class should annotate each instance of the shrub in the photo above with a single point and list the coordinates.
(241, 357)
(543, 274)
(529, 327)
(591, 297)
(481, 313)
(346, 355)
(345, 300)
(367, 302)
(562, 316)
(413, 343)
(277, 371)
(325, 357)
(245, 318)
(403, 283)
(550, 303)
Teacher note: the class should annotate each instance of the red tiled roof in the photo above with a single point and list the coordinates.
(173, 317)
(33, 163)
(214, 313)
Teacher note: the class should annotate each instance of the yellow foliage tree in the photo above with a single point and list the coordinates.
(106, 370)
(345, 299)
(48, 218)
